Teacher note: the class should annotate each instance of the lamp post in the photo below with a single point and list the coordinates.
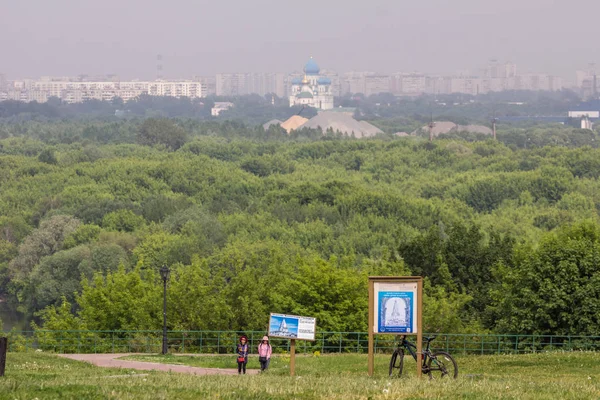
(164, 274)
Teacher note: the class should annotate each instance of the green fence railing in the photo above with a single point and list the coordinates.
(223, 342)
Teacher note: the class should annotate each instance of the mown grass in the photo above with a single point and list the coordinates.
(533, 376)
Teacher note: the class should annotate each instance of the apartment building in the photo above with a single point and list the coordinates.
(408, 83)
(239, 84)
(375, 84)
(72, 91)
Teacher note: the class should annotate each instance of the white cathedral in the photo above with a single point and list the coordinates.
(313, 90)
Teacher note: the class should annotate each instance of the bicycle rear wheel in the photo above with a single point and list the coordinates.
(397, 362)
(442, 365)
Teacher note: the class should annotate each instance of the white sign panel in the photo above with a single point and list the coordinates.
(292, 327)
(395, 307)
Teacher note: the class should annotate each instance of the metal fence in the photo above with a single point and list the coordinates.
(224, 342)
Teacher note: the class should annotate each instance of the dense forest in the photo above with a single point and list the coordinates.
(506, 233)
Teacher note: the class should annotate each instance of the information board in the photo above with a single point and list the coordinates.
(396, 308)
(292, 327)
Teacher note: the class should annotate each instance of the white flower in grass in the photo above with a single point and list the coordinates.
(386, 390)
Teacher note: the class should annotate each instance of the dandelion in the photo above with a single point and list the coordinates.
(386, 391)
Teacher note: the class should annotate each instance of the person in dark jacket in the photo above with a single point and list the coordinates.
(242, 354)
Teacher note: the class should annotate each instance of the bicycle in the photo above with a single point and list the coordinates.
(440, 361)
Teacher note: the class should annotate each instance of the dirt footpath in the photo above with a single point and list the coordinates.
(111, 360)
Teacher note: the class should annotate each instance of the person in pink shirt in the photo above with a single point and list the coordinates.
(264, 353)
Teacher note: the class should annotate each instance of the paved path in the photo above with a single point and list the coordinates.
(111, 360)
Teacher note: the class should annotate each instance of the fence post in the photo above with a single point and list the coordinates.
(322, 343)
(3, 350)
(340, 348)
(482, 338)
(358, 342)
(218, 342)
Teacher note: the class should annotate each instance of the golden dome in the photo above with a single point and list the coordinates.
(305, 80)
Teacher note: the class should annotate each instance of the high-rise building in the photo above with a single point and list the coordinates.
(375, 84)
(75, 91)
(408, 84)
(239, 84)
(209, 83)
(495, 69)
(587, 82)
(354, 82)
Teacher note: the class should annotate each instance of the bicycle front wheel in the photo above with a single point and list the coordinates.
(397, 362)
(442, 365)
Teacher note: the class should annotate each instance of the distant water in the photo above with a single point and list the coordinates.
(12, 319)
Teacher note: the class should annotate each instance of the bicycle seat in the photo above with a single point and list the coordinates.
(429, 338)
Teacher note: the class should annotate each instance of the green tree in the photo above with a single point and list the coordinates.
(161, 132)
(122, 220)
(48, 156)
(556, 288)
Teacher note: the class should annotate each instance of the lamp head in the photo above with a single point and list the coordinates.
(164, 273)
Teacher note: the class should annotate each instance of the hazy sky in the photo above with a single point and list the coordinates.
(198, 37)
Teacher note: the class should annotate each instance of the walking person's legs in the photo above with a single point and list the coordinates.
(240, 367)
(244, 364)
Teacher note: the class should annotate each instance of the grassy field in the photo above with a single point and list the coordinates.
(535, 376)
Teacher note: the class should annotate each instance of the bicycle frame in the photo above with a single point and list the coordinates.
(412, 349)
(431, 364)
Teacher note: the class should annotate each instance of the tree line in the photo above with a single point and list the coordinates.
(506, 238)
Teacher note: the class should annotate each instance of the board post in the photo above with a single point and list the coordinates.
(292, 357)
(420, 325)
(371, 348)
(3, 350)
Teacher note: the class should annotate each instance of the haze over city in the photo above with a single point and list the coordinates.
(67, 37)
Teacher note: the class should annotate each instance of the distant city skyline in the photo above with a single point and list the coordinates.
(311, 86)
(201, 37)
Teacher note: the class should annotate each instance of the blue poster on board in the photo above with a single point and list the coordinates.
(396, 312)
(285, 326)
